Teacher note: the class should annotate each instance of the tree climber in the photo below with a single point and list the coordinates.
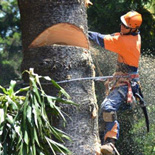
(127, 44)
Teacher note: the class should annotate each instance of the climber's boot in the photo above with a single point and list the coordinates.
(109, 148)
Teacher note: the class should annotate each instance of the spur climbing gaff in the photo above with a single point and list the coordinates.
(143, 106)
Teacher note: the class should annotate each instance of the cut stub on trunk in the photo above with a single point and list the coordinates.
(62, 34)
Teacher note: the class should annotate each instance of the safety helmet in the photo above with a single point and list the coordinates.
(132, 19)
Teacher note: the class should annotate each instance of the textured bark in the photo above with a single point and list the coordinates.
(61, 62)
(36, 16)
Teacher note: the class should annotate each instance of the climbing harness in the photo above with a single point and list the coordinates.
(125, 79)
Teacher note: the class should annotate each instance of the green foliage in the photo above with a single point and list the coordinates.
(10, 41)
(150, 149)
(146, 142)
(10, 67)
(10, 35)
(9, 18)
(24, 124)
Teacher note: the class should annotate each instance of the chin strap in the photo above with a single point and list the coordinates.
(131, 32)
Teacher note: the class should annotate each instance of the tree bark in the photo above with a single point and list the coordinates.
(61, 62)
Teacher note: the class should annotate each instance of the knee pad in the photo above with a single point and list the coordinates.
(109, 116)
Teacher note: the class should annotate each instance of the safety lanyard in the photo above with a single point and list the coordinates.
(99, 78)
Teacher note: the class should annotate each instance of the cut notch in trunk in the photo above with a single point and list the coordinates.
(62, 34)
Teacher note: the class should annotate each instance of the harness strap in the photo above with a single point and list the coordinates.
(129, 94)
(124, 80)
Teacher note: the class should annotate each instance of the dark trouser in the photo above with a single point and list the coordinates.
(112, 103)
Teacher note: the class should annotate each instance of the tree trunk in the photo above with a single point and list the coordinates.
(61, 62)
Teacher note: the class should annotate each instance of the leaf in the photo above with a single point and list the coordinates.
(59, 147)
(58, 99)
(59, 134)
(63, 134)
(21, 149)
(2, 117)
(50, 145)
(37, 80)
(60, 89)
(11, 102)
(22, 90)
(26, 137)
(60, 113)
(25, 149)
(47, 78)
(50, 101)
(18, 131)
(9, 118)
(35, 116)
(35, 90)
(24, 113)
(34, 149)
(66, 101)
(12, 85)
(18, 146)
(44, 114)
(36, 136)
(56, 134)
(3, 89)
(36, 111)
(29, 114)
(55, 108)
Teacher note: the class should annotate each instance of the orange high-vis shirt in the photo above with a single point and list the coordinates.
(127, 47)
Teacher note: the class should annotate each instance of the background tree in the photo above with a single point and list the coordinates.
(10, 41)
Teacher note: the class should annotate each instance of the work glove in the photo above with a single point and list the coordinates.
(87, 3)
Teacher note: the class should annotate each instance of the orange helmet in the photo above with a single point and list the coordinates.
(132, 19)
